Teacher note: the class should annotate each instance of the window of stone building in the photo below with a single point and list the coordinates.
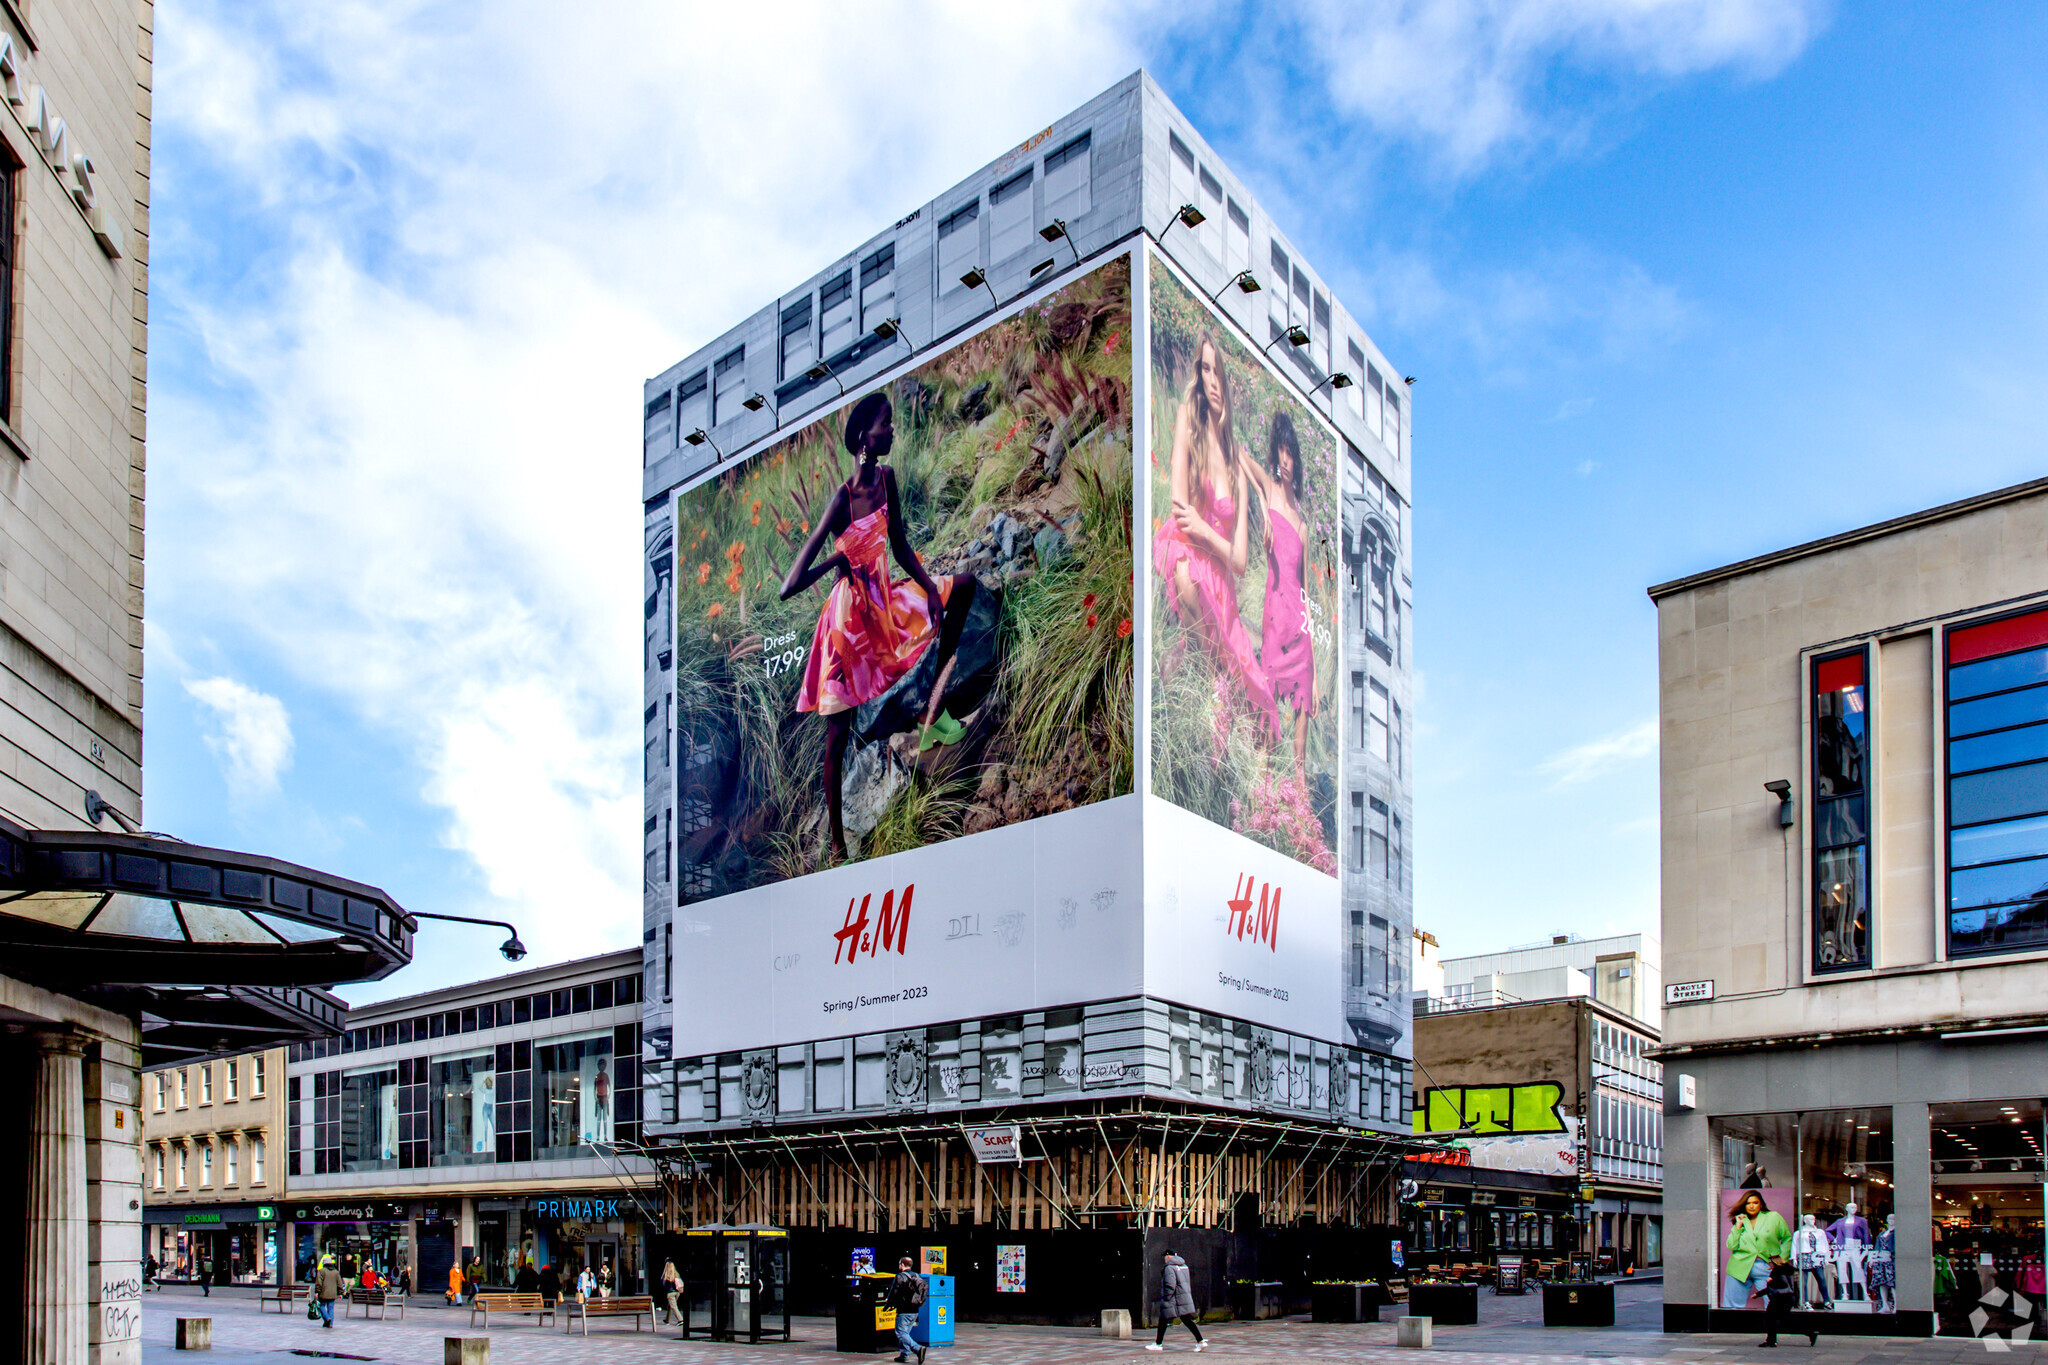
(256, 1161)
(9, 171)
(1358, 740)
(1997, 770)
(157, 1167)
(162, 1092)
(256, 1077)
(234, 1078)
(183, 1094)
(1841, 818)
(206, 1084)
(206, 1166)
(228, 1155)
(1358, 831)
(184, 1169)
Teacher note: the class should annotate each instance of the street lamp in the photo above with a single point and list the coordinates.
(700, 437)
(822, 371)
(1056, 231)
(977, 278)
(512, 948)
(1245, 281)
(1295, 335)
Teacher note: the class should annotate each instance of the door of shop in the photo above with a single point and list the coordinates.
(601, 1254)
(437, 1254)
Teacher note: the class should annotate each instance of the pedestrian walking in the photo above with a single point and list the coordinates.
(326, 1289)
(527, 1281)
(206, 1278)
(150, 1266)
(405, 1277)
(454, 1285)
(906, 1296)
(586, 1284)
(604, 1280)
(671, 1292)
(472, 1276)
(1176, 1300)
(1781, 1292)
(550, 1284)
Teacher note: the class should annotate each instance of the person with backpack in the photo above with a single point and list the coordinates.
(326, 1289)
(1176, 1300)
(906, 1296)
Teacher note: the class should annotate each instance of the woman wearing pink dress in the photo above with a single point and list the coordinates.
(874, 628)
(1200, 551)
(1287, 651)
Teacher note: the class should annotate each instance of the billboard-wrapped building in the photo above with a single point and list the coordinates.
(1027, 671)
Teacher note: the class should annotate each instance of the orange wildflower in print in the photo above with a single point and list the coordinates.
(1089, 600)
(1123, 629)
(1091, 620)
(714, 611)
(703, 573)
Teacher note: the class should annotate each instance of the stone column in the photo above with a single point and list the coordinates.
(55, 1291)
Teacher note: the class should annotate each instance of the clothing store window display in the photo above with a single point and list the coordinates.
(1810, 1257)
(1756, 1233)
(1849, 1244)
(1884, 1269)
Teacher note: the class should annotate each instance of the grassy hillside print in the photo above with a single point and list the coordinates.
(1013, 460)
(1211, 753)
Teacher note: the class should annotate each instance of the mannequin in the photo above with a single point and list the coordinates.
(1810, 1250)
(1884, 1274)
(1849, 1236)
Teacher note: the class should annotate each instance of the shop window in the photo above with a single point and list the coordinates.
(369, 1118)
(1840, 820)
(574, 1083)
(515, 1101)
(326, 1122)
(295, 1136)
(414, 1144)
(1987, 1210)
(1815, 1188)
(1997, 701)
(462, 1108)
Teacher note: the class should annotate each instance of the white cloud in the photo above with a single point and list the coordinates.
(251, 735)
(470, 233)
(1598, 757)
(1465, 75)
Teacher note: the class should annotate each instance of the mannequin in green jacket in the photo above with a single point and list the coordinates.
(1755, 1235)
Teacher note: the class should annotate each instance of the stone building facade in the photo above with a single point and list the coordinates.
(212, 1176)
(1855, 865)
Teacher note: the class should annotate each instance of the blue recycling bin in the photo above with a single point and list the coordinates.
(935, 1319)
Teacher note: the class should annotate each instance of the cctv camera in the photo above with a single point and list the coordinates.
(513, 949)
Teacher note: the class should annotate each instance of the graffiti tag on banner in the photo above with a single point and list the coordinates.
(1533, 1107)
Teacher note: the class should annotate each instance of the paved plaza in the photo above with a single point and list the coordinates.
(1510, 1329)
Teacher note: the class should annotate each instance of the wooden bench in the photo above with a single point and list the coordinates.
(543, 1310)
(634, 1307)
(379, 1299)
(285, 1296)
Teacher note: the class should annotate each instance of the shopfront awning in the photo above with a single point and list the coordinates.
(217, 951)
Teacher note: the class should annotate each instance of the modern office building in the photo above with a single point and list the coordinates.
(1567, 1088)
(1854, 835)
(1147, 538)
(1621, 971)
(495, 1121)
(211, 1188)
(121, 950)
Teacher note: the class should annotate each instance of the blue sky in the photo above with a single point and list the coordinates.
(1681, 281)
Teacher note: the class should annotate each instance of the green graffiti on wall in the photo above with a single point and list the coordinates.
(1532, 1107)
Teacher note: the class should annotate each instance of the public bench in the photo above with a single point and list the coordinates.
(285, 1296)
(542, 1309)
(625, 1306)
(379, 1299)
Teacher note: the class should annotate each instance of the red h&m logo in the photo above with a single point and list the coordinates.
(1261, 925)
(892, 931)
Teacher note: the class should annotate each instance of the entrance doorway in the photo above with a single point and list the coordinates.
(1988, 1217)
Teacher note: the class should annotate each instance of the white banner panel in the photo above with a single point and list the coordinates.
(1237, 929)
(1040, 913)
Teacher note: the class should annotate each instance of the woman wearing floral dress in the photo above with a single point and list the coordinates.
(1287, 652)
(874, 628)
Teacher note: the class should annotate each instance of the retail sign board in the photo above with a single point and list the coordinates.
(996, 1146)
(1688, 992)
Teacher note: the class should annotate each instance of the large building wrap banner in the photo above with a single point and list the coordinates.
(904, 717)
(1243, 577)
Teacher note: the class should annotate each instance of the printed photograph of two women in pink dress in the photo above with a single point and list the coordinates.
(1244, 620)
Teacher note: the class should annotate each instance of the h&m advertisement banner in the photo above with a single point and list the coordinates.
(905, 710)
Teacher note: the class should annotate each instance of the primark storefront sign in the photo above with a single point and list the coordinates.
(579, 1208)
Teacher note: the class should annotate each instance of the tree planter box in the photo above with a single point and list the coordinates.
(1256, 1300)
(1578, 1305)
(1447, 1305)
(1352, 1302)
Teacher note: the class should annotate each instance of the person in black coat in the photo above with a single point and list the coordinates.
(550, 1283)
(527, 1281)
(1781, 1292)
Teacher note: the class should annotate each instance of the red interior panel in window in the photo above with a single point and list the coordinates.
(1832, 675)
(1997, 637)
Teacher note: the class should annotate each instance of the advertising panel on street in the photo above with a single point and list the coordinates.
(903, 712)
